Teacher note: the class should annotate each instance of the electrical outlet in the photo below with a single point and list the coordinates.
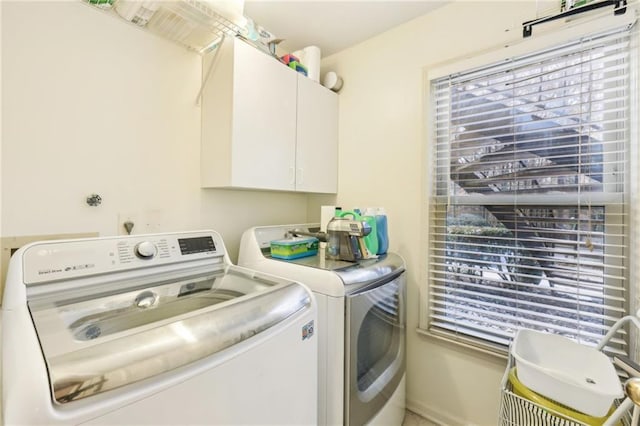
(153, 221)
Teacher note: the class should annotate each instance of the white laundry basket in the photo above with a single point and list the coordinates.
(518, 410)
(578, 376)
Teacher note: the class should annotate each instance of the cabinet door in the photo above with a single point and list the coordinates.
(317, 138)
(264, 121)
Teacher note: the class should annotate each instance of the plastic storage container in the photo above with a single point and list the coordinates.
(578, 376)
(567, 413)
(294, 248)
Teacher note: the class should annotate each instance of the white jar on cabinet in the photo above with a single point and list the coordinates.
(265, 126)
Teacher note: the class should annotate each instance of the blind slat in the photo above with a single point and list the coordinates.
(496, 319)
(506, 295)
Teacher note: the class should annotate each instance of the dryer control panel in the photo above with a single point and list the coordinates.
(59, 260)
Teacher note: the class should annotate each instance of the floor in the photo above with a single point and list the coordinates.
(412, 419)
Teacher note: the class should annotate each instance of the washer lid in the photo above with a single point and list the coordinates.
(95, 344)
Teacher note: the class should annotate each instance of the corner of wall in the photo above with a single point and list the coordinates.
(1, 115)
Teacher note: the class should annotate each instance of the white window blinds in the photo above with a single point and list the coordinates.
(528, 209)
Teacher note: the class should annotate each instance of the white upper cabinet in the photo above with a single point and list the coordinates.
(317, 138)
(264, 126)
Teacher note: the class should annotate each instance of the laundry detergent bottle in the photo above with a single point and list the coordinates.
(382, 231)
(371, 240)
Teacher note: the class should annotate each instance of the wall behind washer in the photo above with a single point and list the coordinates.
(93, 104)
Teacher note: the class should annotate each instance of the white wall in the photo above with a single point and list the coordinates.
(92, 104)
(2, 266)
(381, 159)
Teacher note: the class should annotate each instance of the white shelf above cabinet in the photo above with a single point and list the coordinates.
(265, 126)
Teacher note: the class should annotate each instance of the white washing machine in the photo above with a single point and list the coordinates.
(154, 329)
(361, 327)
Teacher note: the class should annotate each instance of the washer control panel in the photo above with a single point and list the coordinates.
(56, 260)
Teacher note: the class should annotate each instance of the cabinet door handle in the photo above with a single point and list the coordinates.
(300, 176)
(292, 175)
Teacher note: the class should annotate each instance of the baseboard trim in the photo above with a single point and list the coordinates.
(433, 414)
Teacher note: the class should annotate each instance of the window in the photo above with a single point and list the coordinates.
(528, 222)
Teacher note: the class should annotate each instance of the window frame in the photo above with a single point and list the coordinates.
(546, 40)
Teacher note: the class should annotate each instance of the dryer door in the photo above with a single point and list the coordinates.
(375, 348)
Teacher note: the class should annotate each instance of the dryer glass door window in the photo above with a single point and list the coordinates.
(375, 348)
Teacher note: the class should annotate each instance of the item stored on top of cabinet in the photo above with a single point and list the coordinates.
(288, 58)
(265, 126)
(619, 8)
(298, 67)
(310, 57)
(332, 81)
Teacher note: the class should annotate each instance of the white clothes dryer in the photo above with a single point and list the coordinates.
(154, 329)
(361, 327)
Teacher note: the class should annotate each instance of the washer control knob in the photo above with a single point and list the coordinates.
(145, 250)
